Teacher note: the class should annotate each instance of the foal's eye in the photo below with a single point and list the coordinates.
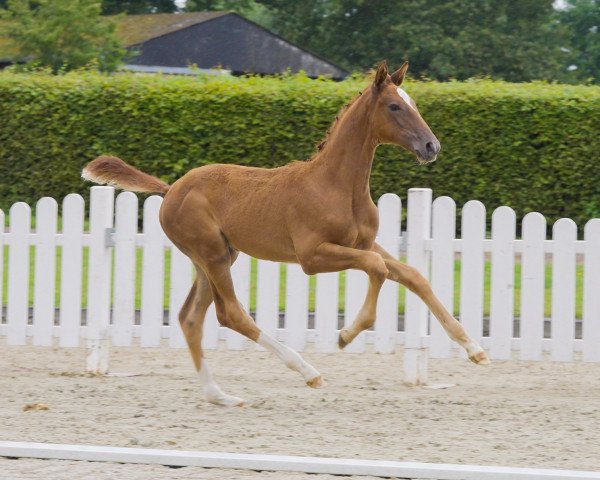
(394, 107)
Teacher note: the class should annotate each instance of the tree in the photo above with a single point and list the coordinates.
(442, 38)
(248, 8)
(215, 5)
(581, 19)
(62, 34)
(135, 7)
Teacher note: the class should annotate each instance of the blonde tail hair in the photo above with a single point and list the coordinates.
(107, 170)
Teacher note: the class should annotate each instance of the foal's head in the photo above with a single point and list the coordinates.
(396, 118)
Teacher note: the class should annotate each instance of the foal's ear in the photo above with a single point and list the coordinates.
(381, 74)
(398, 75)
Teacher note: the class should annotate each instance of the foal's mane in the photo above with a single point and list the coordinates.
(331, 129)
(338, 117)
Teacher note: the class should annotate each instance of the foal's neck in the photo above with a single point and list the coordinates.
(347, 155)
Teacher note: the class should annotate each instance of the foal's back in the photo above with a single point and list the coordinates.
(249, 206)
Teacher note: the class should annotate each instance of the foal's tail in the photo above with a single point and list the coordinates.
(113, 171)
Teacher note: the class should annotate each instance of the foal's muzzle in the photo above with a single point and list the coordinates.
(427, 152)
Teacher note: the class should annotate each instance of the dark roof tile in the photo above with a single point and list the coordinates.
(134, 29)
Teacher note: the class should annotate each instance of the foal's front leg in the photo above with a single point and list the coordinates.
(414, 281)
(329, 257)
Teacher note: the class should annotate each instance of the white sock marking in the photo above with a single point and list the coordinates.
(212, 391)
(291, 358)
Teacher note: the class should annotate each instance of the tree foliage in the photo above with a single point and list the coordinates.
(442, 39)
(248, 8)
(581, 19)
(136, 7)
(61, 34)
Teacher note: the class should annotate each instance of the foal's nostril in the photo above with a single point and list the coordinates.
(427, 151)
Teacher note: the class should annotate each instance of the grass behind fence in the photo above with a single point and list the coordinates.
(312, 285)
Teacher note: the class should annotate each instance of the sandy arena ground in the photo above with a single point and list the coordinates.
(510, 413)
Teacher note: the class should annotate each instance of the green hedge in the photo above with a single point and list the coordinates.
(529, 146)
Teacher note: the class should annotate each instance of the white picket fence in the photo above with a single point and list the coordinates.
(429, 244)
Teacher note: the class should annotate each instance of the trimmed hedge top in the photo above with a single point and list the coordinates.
(534, 147)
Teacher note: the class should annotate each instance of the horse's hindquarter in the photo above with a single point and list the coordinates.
(244, 204)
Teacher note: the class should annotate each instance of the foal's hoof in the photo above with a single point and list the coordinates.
(480, 358)
(227, 401)
(342, 342)
(316, 382)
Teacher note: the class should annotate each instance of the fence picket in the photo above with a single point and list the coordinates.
(210, 337)
(123, 318)
(472, 269)
(387, 306)
(17, 311)
(102, 204)
(153, 268)
(431, 229)
(532, 286)
(267, 297)
(326, 312)
(45, 271)
(1, 263)
(296, 307)
(181, 283)
(240, 272)
(591, 287)
(418, 230)
(564, 234)
(442, 271)
(71, 270)
(357, 284)
(502, 284)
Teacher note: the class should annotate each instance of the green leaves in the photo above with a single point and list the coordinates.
(137, 7)
(61, 34)
(581, 19)
(530, 146)
(503, 39)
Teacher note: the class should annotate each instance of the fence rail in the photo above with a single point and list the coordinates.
(107, 252)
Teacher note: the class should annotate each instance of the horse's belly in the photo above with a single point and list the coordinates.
(262, 242)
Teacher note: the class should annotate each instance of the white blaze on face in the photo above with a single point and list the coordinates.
(405, 97)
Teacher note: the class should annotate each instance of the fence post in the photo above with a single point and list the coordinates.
(99, 267)
(386, 326)
(418, 229)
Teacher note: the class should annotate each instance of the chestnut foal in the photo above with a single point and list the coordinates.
(317, 213)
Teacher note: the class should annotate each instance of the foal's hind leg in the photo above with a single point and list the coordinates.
(414, 281)
(191, 318)
(231, 314)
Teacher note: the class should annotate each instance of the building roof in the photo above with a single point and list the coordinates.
(223, 40)
(208, 40)
(136, 29)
